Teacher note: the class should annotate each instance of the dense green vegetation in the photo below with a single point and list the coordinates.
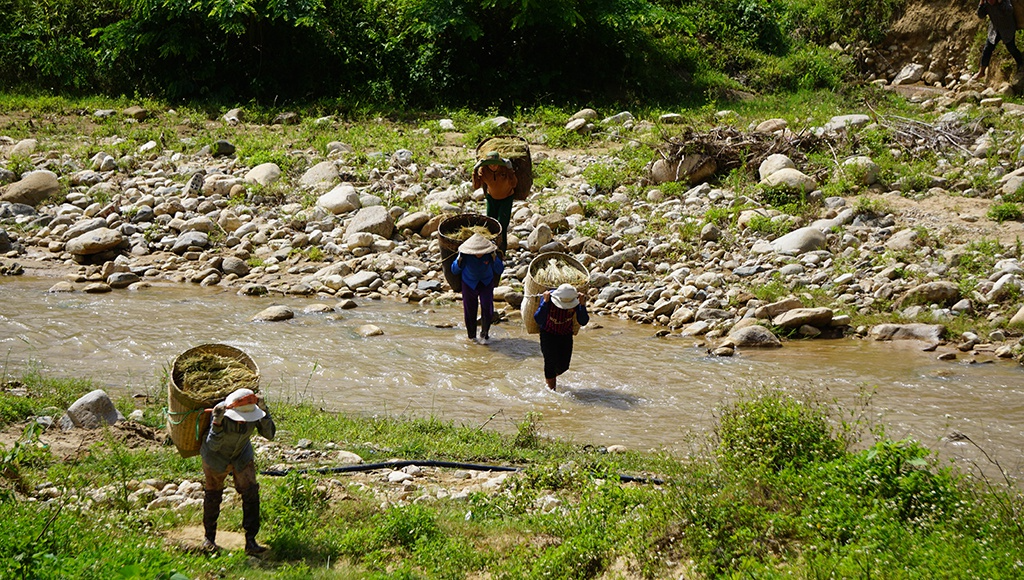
(430, 53)
(787, 485)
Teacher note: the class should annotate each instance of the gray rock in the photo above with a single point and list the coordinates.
(413, 221)
(902, 240)
(93, 410)
(375, 220)
(361, 279)
(236, 266)
(122, 279)
(263, 174)
(341, 199)
(773, 163)
(776, 308)
(843, 122)
(321, 176)
(189, 240)
(222, 148)
(790, 178)
(931, 333)
(32, 189)
(800, 241)
(1018, 319)
(818, 317)
(94, 242)
(617, 260)
(754, 336)
(274, 313)
(942, 292)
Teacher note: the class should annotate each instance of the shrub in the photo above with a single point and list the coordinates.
(1004, 212)
(768, 429)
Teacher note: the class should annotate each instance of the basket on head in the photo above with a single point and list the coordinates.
(546, 272)
(517, 150)
(456, 229)
(201, 377)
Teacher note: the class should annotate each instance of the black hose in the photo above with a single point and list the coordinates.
(425, 463)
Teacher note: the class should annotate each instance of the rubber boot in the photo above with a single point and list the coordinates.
(251, 519)
(211, 511)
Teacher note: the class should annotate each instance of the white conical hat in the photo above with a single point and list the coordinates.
(477, 245)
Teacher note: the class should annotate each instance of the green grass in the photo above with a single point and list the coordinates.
(787, 484)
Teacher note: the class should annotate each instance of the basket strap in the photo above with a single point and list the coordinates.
(169, 413)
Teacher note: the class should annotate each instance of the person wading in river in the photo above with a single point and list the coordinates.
(480, 268)
(1002, 25)
(227, 449)
(555, 316)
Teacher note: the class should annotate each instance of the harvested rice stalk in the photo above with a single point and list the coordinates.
(207, 376)
(555, 273)
(465, 232)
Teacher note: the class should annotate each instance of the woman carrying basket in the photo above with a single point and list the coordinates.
(555, 316)
(227, 449)
(480, 268)
(498, 179)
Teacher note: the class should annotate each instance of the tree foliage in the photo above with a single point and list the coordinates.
(494, 53)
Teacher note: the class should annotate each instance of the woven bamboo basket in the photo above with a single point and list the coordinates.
(532, 289)
(450, 245)
(187, 419)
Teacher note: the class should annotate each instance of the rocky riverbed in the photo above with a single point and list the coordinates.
(890, 261)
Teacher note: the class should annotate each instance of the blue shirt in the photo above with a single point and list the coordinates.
(477, 270)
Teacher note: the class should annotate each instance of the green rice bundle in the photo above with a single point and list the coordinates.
(208, 376)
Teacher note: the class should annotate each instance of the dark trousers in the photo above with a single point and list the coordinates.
(557, 351)
(482, 298)
(1011, 47)
(501, 210)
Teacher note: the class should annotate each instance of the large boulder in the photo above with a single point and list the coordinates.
(800, 241)
(91, 411)
(263, 174)
(321, 176)
(817, 317)
(773, 163)
(375, 220)
(792, 179)
(341, 199)
(754, 336)
(32, 189)
(94, 242)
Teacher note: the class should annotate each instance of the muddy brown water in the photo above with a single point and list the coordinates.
(624, 386)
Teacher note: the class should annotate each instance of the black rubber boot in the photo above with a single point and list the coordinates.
(211, 511)
(251, 519)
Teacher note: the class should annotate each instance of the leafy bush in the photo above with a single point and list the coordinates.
(772, 430)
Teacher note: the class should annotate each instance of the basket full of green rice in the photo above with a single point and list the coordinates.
(546, 272)
(201, 377)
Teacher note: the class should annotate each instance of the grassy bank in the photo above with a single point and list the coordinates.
(786, 485)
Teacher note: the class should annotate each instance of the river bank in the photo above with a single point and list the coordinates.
(776, 248)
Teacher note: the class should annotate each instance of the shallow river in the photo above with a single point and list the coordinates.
(624, 386)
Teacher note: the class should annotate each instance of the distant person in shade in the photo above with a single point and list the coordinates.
(1002, 25)
(480, 268)
(555, 316)
(498, 180)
